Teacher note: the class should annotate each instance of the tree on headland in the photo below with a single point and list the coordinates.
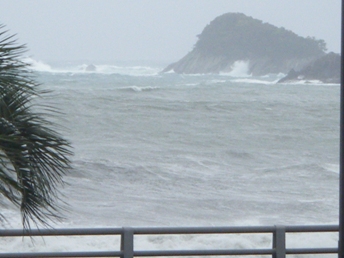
(264, 47)
(33, 156)
(246, 37)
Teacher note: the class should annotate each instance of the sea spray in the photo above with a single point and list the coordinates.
(240, 69)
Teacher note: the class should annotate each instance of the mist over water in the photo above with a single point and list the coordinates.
(157, 149)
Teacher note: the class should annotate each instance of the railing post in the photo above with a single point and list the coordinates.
(341, 146)
(278, 242)
(127, 243)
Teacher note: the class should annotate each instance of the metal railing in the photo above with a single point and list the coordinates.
(127, 250)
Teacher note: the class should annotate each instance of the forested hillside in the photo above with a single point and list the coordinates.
(239, 36)
(235, 36)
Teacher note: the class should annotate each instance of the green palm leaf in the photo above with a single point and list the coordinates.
(33, 156)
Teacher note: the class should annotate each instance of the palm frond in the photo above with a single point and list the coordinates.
(33, 156)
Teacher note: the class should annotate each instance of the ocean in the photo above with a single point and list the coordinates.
(156, 149)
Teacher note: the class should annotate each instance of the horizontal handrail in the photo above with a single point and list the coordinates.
(311, 228)
(127, 234)
(312, 250)
(60, 232)
(166, 230)
(61, 254)
(205, 252)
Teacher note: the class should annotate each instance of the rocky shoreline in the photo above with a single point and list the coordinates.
(326, 69)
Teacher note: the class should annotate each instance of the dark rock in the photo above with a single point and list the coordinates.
(90, 68)
(325, 69)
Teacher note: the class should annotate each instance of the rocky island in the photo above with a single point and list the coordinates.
(234, 37)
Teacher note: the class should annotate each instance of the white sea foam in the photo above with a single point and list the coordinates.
(214, 81)
(39, 66)
(133, 70)
(171, 71)
(279, 75)
(240, 68)
(166, 159)
(128, 70)
(310, 82)
(334, 168)
(254, 81)
(139, 89)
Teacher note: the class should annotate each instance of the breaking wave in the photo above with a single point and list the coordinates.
(38, 66)
(139, 88)
(240, 68)
(133, 70)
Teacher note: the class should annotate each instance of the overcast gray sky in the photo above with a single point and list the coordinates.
(161, 30)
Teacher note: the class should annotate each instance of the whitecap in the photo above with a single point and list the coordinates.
(216, 81)
(330, 167)
(240, 68)
(170, 71)
(37, 65)
(139, 88)
(256, 81)
(129, 70)
(132, 70)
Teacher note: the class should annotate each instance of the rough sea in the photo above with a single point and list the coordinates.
(156, 149)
